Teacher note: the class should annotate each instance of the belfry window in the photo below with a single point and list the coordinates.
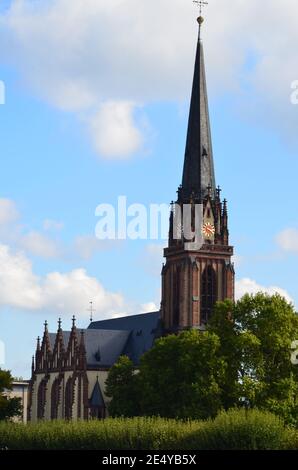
(176, 296)
(208, 296)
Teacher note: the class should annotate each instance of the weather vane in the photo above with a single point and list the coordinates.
(91, 310)
(200, 4)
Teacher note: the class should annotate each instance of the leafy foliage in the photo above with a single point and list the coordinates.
(180, 376)
(243, 358)
(9, 407)
(256, 335)
(122, 387)
(234, 429)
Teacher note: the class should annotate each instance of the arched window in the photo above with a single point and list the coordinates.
(41, 399)
(69, 398)
(208, 293)
(55, 399)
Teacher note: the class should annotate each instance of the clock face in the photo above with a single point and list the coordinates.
(208, 230)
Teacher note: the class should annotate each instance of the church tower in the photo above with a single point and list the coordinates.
(198, 271)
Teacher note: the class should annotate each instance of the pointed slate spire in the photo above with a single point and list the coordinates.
(198, 172)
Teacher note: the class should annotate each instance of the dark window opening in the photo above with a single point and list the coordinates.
(69, 398)
(208, 293)
(41, 399)
(176, 297)
(55, 398)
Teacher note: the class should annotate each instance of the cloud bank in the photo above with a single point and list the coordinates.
(103, 58)
(63, 293)
(249, 286)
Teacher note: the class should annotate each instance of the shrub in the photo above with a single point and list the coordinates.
(243, 430)
(118, 433)
(234, 429)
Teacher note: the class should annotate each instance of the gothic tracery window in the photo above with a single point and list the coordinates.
(69, 398)
(41, 399)
(55, 398)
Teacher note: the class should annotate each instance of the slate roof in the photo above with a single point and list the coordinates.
(143, 330)
(198, 172)
(52, 337)
(106, 340)
(103, 347)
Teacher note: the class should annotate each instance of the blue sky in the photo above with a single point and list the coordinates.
(59, 161)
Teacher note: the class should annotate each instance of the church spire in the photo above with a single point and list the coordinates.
(198, 171)
(197, 275)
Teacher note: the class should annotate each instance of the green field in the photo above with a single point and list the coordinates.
(235, 429)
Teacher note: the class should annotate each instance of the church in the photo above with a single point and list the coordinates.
(69, 368)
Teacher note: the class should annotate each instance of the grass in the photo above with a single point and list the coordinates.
(234, 429)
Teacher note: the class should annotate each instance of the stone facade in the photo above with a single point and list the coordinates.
(62, 381)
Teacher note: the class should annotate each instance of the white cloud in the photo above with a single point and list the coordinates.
(72, 292)
(124, 51)
(149, 307)
(287, 240)
(249, 286)
(56, 292)
(19, 287)
(39, 245)
(114, 131)
(14, 234)
(52, 225)
(8, 212)
(46, 244)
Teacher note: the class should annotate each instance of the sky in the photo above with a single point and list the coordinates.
(96, 107)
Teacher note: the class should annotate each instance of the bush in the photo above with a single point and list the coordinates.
(244, 430)
(117, 433)
(230, 430)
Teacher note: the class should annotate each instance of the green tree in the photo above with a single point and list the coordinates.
(256, 334)
(244, 357)
(9, 407)
(179, 377)
(122, 388)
